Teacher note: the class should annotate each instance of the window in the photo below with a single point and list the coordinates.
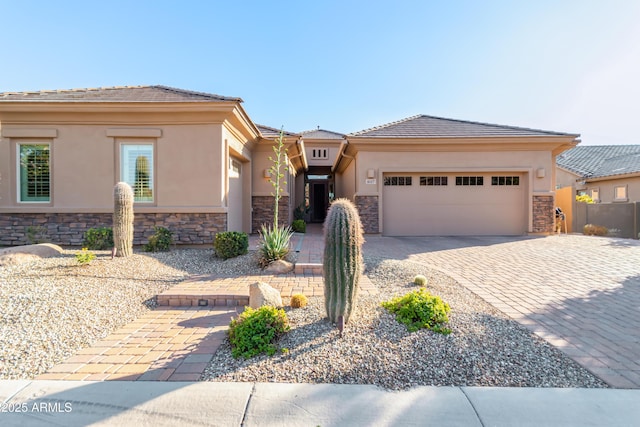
(505, 180)
(34, 183)
(595, 194)
(469, 180)
(433, 180)
(620, 193)
(136, 169)
(397, 180)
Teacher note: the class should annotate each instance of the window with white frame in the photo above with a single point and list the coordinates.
(34, 172)
(136, 169)
(595, 194)
(620, 193)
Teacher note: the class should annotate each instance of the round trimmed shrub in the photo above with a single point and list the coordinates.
(420, 280)
(298, 301)
(256, 331)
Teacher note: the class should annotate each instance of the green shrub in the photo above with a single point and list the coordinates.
(584, 198)
(230, 244)
(98, 239)
(256, 331)
(274, 244)
(420, 280)
(419, 309)
(300, 211)
(85, 256)
(299, 226)
(160, 241)
(594, 230)
(36, 234)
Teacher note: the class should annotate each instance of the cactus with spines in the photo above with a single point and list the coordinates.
(123, 219)
(343, 264)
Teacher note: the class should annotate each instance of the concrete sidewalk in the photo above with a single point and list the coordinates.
(124, 403)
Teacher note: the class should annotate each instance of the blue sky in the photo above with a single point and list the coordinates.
(571, 66)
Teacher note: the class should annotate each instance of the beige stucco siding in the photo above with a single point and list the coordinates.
(565, 178)
(188, 167)
(607, 187)
(346, 182)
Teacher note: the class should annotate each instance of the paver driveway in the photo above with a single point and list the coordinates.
(582, 294)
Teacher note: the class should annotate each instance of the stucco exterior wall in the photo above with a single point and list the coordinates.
(565, 178)
(346, 182)
(607, 187)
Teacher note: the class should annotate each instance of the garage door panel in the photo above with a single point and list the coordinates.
(451, 209)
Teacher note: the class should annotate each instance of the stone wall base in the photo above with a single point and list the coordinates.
(68, 229)
(543, 214)
(368, 210)
(263, 211)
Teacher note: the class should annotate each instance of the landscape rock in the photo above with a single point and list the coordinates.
(261, 293)
(280, 267)
(22, 254)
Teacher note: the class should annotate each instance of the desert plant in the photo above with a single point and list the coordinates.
(123, 219)
(299, 211)
(420, 280)
(160, 241)
(594, 230)
(276, 173)
(256, 331)
(343, 262)
(298, 301)
(299, 226)
(36, 234)
(85, 256)
(230, 244)
(419, 309)
(584, 198)
(274, 244)
(98, 239)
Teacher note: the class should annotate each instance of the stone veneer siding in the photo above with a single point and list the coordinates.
(543, 214)
(68, 228)
(368, 210)
(263, 211)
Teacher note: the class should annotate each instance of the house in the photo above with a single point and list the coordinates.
(607, 173)
(199, 165)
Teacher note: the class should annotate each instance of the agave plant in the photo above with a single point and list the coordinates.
(274, 244)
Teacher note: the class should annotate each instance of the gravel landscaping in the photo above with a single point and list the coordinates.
(53, 307)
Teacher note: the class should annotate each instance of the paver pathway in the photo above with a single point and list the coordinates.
(581, 294)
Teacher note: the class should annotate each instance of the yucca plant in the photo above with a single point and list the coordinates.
(274, 244)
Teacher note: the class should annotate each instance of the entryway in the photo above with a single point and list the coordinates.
(319, 192)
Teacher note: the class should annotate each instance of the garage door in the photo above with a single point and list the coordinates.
(450, 204)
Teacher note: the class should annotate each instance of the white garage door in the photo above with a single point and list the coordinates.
(450, 204)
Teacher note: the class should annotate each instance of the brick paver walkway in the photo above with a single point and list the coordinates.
(581, 294)
(166, 344)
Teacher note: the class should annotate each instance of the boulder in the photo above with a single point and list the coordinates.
(280, 267)
(21, 254)
(261, 294)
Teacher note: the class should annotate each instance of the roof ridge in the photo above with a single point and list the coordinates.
(193, 92)
(385, 125)
(498, 125)
(78, 89)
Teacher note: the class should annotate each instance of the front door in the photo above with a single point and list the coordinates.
(319, 200)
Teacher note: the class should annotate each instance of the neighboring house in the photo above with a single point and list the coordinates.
(199, 165)
(607, 173)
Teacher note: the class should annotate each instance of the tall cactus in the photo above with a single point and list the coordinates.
(343, 263)
(123, 219)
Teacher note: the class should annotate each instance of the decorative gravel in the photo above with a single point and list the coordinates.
(485, 348)
(51, 308)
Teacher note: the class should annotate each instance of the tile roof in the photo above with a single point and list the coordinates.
(594, 161)
(155, 93)
(269, 132)
(423, 126)
(322, 134)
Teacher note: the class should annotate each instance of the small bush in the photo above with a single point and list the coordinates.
(419, 309)
(85, 256)
(230, 244)
(300, 211)
(298, 301)
(420, 280)
(274, 244)
(36, 234)
(98, 239)
(299, 226)
(594, 230)
(160, 241)
(584, 198)
(256, 331)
